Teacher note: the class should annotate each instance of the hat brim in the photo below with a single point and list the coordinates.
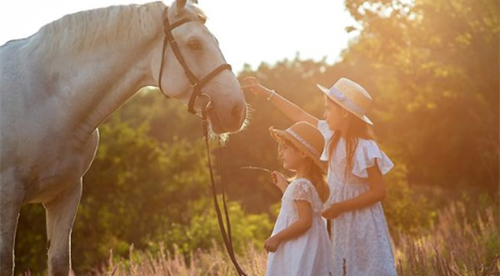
(326, 92)
(279, 135)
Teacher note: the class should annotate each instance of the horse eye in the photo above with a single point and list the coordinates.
(194, 45)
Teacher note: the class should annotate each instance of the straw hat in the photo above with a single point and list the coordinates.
(306, 138)
(351, 96)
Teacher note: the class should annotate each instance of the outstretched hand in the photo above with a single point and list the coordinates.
(251, 84)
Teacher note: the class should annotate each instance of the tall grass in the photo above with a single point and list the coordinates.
(213, 262)
(460, 242)
(455, 245)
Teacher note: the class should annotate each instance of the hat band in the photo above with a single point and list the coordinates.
(304, 142)
(345, 101)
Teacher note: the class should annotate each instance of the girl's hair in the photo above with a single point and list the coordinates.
(315, 175)
(356, 128)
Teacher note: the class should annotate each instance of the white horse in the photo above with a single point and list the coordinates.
(60, 84)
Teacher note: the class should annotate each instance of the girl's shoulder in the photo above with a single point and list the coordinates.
(367, 145)
(303, 183)
(302, 187)
(367, 152)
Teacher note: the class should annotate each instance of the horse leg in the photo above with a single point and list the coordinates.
(61, 213)
(8, 226)
(10, 206)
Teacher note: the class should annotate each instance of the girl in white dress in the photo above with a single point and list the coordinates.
(299, 244)
(356, 167)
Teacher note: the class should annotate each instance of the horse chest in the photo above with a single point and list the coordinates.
(48, 173)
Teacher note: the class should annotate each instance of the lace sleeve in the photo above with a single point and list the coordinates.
(365, 156)
(302, 189)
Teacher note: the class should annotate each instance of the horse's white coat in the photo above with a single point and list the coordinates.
(60, 84)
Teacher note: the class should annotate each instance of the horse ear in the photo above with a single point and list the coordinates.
(180, 4)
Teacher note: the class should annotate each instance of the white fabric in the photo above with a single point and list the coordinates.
(360, 237)
(311, 253)
(327, 134)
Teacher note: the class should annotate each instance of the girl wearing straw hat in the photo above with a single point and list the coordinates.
(356, 165)
(299, 244)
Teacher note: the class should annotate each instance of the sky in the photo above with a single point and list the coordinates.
(249, 31)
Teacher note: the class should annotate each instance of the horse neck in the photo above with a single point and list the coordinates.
(108, 84)
(95, 78)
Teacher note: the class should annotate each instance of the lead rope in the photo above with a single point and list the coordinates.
(226, 234)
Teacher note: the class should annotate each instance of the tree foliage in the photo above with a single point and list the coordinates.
(432, 67)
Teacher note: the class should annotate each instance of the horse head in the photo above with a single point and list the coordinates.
(196, 72)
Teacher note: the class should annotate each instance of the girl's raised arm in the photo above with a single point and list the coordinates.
(291, 110)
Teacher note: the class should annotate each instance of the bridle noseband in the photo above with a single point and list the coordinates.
(195, 83)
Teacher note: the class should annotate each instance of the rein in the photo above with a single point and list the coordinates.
(226, 233)
(197, 85)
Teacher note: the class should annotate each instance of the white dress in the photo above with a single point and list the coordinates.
(309, 254)
(361, 237)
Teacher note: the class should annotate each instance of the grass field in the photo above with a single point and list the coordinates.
(457, 244)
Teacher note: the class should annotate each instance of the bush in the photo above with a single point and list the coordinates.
(202, 230)
(407, 212)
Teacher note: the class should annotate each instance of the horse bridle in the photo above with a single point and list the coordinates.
(196, 84)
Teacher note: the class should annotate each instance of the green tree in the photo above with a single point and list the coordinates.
(433, 67)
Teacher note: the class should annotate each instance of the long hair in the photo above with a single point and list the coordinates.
(318, 179)
(356, 128)
(314, 174)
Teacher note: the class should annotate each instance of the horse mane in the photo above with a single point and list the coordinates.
(102, 26)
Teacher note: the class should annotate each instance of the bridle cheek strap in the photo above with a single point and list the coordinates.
(195, 84)
(198, 86)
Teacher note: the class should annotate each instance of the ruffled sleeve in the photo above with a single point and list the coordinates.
(302, 189)
(366, 154)
(327, 134)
